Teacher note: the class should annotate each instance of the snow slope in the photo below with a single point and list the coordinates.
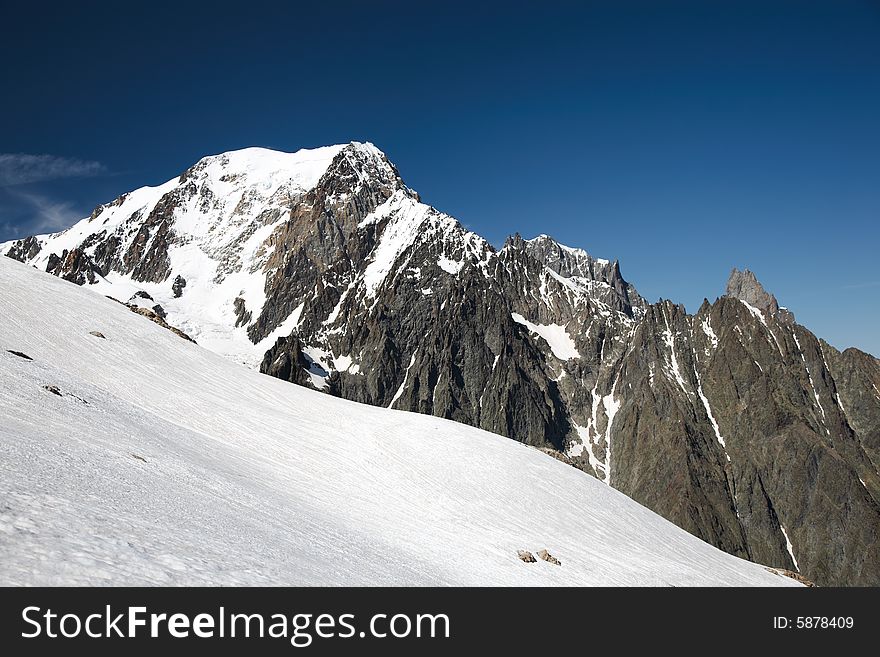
(220, 238)
(557, 337)
(163, 463)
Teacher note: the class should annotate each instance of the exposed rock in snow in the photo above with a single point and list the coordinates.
(549, 558)
(525, 555)
(323, 268)
(188, 469)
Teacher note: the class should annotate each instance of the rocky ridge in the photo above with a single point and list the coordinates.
(323, 268)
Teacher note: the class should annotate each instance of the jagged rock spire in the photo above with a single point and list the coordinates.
(744, 285)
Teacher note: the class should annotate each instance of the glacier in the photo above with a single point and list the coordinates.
(157, 462)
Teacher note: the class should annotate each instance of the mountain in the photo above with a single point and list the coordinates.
(132, 456)
(324, 269)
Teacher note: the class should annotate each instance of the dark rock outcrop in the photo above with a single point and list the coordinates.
(24, 250)
(754, 440)
(74, 266)
(525, 555)
(242, 314)
(743, 285)
(543, 555)
(177, 286)
(734, 422)
(150, 314)
(286, 361)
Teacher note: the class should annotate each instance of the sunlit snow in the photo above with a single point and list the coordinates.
(561, 343)
(163, 463)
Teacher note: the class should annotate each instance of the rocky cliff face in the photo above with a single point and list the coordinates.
(322, 268)
(739, 410)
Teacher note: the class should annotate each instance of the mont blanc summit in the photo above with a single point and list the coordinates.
(323, 268)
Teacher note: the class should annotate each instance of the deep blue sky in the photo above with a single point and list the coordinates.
(682, 138)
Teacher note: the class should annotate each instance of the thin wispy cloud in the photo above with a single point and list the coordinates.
(47, 215)
(23, 168)
(859, 286)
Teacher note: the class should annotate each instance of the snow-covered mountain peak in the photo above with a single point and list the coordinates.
(252, 245)
(589, 279)
(264, 168)
(412, 224)
(361, 168)
(324, 269)
(164, 464)
(368, 148)
(564, 260)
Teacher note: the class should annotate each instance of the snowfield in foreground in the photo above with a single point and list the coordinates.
(162, 463)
